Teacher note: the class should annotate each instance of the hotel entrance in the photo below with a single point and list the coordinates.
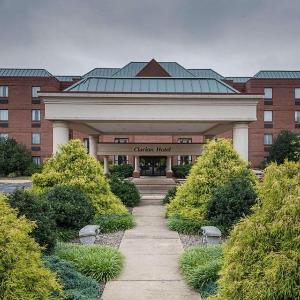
(153, 165)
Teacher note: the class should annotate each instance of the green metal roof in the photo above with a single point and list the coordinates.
(67, 78)
(4, 72)
(278, 75)
(101, 72)
(238, 79)
(206, 73)
(130, 70)
(152, 85)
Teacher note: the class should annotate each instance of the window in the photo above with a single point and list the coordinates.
(268, 139)
(268, 116)
(34, 91)
(4, 115)
(3, 91)
(268, 93)
(297, 93)
(297, 116)
(121, 159)
(36, 138)
(36, 115)
(3, 135)
(36, 159)
(184, 159)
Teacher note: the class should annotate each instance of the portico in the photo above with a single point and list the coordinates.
(98, 114)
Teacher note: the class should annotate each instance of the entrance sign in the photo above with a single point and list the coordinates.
(149, 149)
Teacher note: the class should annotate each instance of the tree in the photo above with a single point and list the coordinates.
(286, 146)
(72, 165)
(22, 274)
(262, 258)
(14, 157)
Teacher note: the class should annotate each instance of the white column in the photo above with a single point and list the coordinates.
(93, 142)
(60, 134)
(169, 164)
(105, 165)
(240, 139)
(136, 164)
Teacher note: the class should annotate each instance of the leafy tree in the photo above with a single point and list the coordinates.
(72, 165)
(262, 258)
(14, 157)
(22, 274)
(286, 146)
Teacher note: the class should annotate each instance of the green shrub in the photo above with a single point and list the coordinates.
(32, 169)
(181, 171)
(14, 157)
(112, 223)
(73, 166)
(261, 258)
(184, 225)
(123, 170)
(71, 206)
(37, 209)
(200, 267)
(286, 146)
(22, 274)
(102, 263)
(232, 201)
(125, 190)
(170, 195)
(76, 285)
(211, 170)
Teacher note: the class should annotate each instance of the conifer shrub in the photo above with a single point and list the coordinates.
(39, 210)
(212, 169)
(102, 263)
(76, 286)
(123, 170)
(72, 165)
(170, 195)
(261, 257)
(181, 171)
(22, 273)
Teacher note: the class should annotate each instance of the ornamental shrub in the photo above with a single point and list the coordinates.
(124, 170)
(211, 170)
(37, 209)
(76, 285)
(170, 195)
(102, 263)
(286, 146)
(112, 223)
(232, 201)
(262, 258)
(14, 157)
(71, 207)
(181, 171)
(22, 274)
(125, 190)
(72, 165)
(200, 267)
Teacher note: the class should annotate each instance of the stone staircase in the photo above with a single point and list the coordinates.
(153, 189)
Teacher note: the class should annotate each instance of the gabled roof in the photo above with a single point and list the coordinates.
(205, 73)
(67, 78)
(176, 70)
(238, 79)
(101, 72)
(130, 70)
(153, 69)
(7, 72)
(278, 75)
(152, 85)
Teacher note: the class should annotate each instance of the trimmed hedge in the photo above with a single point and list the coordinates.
(181, 171)
(112, 223)
(261, 258)
(125, 190)
(72, 165)
(184, 225)
(76, 286)
(124, 170)
(102, 263)
(22, 273)
(200, 267)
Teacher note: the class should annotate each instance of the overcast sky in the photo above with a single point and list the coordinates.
(70, 37)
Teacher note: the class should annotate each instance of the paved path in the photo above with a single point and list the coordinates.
(151, 253)
(10, 185)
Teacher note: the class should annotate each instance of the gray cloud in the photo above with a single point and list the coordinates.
(234, 37)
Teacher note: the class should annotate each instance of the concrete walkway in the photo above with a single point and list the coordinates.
(151, 253)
